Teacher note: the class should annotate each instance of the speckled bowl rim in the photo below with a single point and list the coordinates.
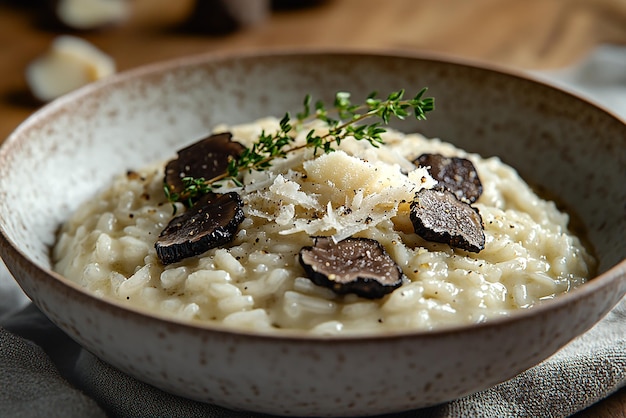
(604, 279)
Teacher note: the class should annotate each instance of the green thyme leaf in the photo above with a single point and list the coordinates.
(346, 123)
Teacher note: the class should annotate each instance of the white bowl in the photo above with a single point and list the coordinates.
(58, 157)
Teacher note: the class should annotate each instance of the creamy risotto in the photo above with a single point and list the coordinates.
(256, 281)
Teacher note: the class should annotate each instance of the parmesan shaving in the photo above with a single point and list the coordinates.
(309, 200)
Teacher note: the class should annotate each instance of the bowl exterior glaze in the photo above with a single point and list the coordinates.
(65, 152)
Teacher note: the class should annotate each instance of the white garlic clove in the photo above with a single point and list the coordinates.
(92, 14)
(70, 63)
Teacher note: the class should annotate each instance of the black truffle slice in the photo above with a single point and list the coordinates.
(211, 222)
(453, 173)
(353, 265)
(206, 158)
(437, 215)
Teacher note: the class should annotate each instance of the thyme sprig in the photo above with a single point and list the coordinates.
(343, 120)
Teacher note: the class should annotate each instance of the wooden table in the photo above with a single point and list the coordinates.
(529, 34)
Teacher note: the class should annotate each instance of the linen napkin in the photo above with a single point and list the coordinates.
(43, 373)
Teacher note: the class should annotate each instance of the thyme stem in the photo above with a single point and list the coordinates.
(276, 145)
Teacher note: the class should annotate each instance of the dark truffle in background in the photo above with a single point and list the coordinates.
(220, 17)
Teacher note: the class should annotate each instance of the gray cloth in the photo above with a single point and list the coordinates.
(32, 385)
(43, 373)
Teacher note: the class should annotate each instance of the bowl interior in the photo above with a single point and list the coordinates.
(67, 151)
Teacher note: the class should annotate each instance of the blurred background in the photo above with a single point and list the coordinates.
(527, 34)
(541, 35)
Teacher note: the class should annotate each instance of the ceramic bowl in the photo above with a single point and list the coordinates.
(63, 153)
